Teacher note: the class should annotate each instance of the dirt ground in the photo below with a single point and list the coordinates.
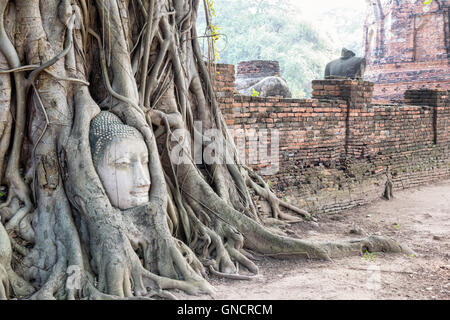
(417, 217)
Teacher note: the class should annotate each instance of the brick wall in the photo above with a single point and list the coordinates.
(407, 46)
(334, 149)
(309, 132)
(258, 68)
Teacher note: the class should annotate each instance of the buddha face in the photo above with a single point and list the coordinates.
(123, 170)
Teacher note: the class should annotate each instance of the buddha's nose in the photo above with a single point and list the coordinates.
(142, 176)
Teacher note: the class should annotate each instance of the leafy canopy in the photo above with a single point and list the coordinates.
(279, 30)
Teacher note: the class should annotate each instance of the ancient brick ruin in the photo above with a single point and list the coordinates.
(334, 149)
(258, 68)
(407, 47)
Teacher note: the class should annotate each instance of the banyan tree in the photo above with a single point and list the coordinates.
(102, 197)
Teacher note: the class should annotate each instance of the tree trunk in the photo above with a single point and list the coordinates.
(62, 62)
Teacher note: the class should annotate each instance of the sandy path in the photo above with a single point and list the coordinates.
(418, 217)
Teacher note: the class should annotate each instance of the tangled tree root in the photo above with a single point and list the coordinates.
(10, 282)
(200, 218)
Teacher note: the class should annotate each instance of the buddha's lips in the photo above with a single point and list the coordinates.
(140, 194)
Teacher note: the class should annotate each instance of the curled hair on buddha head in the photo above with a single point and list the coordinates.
(105, 127)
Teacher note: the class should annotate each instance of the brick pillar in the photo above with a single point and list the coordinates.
(439, 99)
(224, 81)
(360, 126)
(224, 88)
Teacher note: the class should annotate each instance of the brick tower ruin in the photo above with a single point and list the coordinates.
(407, 46)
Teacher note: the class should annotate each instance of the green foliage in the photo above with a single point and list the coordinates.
(255, 93)
(369, 256)
(212, 30)
(215, 37)
(279, 30)
(210, 6)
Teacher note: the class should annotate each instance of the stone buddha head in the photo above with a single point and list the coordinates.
(120, 158)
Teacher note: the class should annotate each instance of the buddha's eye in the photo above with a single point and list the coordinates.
(122, 163)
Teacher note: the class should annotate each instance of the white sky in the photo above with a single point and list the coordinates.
(316, 6)
(313, 10)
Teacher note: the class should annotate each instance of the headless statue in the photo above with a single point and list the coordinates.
(388, 193)
(347, 66)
